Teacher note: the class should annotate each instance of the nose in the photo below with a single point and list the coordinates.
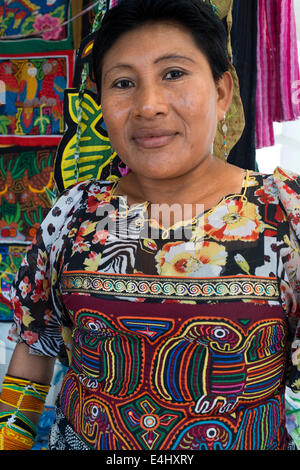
(150, 101)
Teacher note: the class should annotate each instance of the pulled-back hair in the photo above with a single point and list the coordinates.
(196, 16)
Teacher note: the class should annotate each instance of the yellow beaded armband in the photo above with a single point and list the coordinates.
(17, 432)
(23, 395)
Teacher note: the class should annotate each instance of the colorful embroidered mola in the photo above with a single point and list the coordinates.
(33, 111)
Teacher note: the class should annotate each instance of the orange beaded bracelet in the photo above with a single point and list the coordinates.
(17, 432)
(23, 395)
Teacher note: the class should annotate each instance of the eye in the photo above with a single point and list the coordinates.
(211, 433)
(174, 74)
(93, 326)
(219, 333)
(123, 84)
(94, 411)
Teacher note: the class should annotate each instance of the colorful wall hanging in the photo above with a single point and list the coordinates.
(11, 256)
(277, 68)
(35, 25)
(33, 110)
(26, 182)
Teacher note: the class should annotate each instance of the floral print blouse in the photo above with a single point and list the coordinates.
(181, 339)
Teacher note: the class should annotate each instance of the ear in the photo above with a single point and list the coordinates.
(225, 91)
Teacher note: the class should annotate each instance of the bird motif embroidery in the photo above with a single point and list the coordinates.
(27, 92)
(7, 76)
(52, 88)
(218, 366)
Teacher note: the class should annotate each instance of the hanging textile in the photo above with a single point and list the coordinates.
(26, 182)
(243, 40)
(277, 68)
(35, 25)
(33, 110)
(11, 257)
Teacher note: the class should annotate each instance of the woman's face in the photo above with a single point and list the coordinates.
(160, 102)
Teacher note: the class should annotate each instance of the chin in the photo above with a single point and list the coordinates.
(157, 173)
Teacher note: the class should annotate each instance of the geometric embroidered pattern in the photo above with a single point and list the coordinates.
(148, 421)
(132, 285)
(152, 329)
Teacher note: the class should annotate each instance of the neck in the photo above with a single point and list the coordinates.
(188, 188)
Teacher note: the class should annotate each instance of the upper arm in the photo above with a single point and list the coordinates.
(33, 367)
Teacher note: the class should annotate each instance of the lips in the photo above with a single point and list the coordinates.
(153, 137)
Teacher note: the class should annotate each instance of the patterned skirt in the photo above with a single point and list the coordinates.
(63, 437)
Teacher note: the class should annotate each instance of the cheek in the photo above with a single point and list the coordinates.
(200, 117)
(114, 120)
(199, 106)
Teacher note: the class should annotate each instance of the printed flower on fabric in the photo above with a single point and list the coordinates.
(296, 358)
(41, 264)
(182, 259)
(296, 385)
(72, 232)
(97, 198)
(41, 291)
(53, 276)
(18, 309)
(234, 220)
(291, 257)
(85, 229)
(80, 247)
(30, 337)
(288, 298)
(100, 237)
(27, 319)
(92, 262)
(268, 194)
(47, 315)
(290, 197)
(294, 214)
(25, 287)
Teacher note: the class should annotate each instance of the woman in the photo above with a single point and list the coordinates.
(177, 328)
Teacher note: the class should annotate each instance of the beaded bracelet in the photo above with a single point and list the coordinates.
(17, 432)
(23, 395)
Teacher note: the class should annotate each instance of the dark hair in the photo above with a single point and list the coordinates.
(196, 16)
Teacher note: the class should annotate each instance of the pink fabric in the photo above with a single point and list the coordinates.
(277, 68)
(113, 3)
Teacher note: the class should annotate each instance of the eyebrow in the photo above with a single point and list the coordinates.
(173, 56)
(159, 59)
